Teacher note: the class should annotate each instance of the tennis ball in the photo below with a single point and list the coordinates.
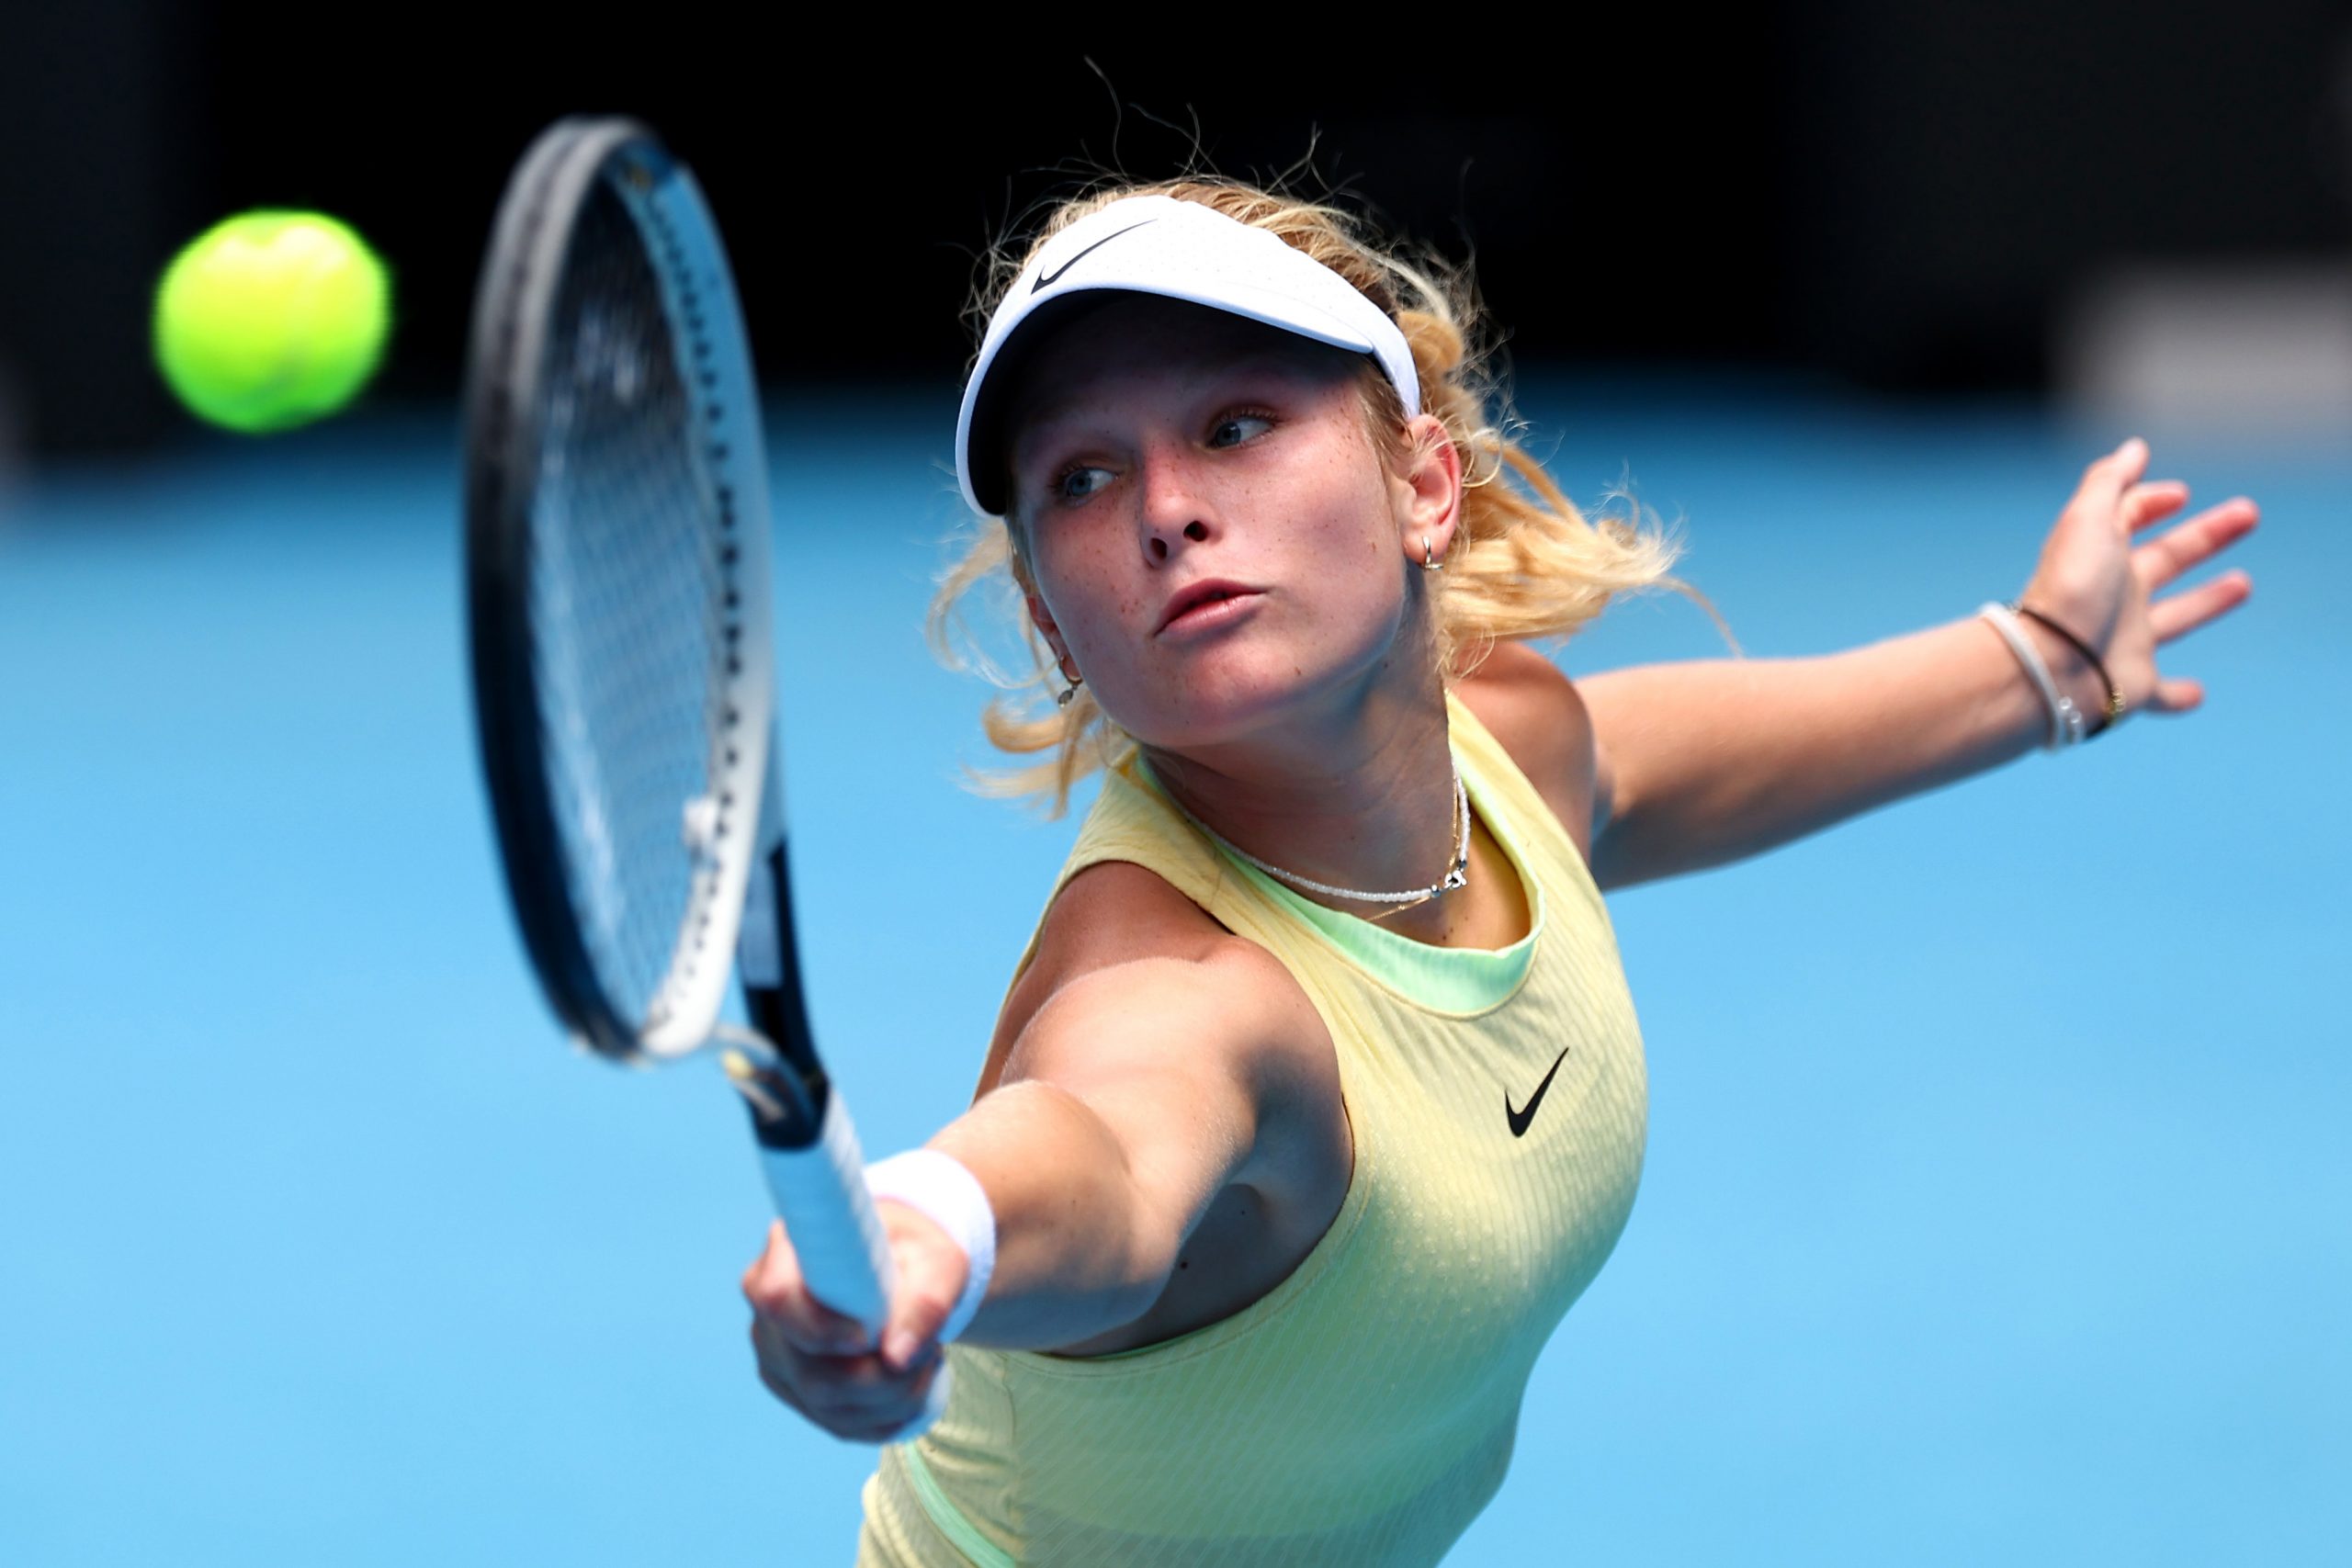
(271, 320)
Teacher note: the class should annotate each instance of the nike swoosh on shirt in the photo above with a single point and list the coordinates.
(1046, 277)
(1520, 1118)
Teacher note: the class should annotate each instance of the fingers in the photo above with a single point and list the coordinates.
(2152, 502)
(2105, 481)
(2175, 695)
(855, 1397)
(2185, 612)
(777, 1293)
(916, 1317)
(2195, 542)
(827, 1366)
(932, 1272)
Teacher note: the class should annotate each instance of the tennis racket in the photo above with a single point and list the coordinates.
(618, 578)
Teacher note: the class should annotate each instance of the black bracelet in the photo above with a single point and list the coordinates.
(2114, 696)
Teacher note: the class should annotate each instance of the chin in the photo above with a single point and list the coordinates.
(1214, 708)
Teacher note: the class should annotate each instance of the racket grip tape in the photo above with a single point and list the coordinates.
(830, 1217)
(820, 1195)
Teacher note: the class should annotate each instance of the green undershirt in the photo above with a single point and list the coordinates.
(1449, 979)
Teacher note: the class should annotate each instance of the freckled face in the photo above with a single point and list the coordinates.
(1158, 446)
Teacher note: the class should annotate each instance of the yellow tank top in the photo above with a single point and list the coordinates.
(1362, 1411)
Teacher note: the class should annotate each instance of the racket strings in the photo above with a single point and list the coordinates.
(632, 597)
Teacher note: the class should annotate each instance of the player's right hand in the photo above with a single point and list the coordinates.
(827, 1366)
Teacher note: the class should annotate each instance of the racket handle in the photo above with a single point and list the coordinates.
(820, 1195)
(830, 1217)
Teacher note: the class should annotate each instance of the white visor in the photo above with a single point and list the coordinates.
(1182, 249)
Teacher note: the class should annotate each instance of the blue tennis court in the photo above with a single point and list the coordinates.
(1996, 1191)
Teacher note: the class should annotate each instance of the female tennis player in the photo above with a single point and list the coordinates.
(1318, 1096)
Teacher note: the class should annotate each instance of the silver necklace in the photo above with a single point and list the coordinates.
(1456, 876)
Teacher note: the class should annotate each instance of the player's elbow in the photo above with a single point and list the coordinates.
(1147, 1277)
(1133, 1278)
(1154, 1213)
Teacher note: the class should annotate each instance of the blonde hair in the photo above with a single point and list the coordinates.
(1525, 563)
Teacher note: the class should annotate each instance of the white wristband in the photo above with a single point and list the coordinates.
(2066, 723)
(939, 1187)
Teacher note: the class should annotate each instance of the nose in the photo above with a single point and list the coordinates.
(1157, 544)
(1174, 504)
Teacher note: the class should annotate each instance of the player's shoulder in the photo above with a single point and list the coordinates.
(1534, 711)
(1114, 911)
(1114, 915)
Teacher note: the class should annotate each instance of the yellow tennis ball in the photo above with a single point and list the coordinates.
(271, 320)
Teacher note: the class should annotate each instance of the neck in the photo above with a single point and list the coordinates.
(1361, 799)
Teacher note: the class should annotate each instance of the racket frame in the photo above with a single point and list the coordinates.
(507, 381)
(809, 1152)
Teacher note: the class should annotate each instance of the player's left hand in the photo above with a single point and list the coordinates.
(2097, 585)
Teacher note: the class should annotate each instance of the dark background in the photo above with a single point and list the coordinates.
(1898, 196)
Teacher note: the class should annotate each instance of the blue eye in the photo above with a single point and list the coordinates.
(1078, 483)
(1235, 428)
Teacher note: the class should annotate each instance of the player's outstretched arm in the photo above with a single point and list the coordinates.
(1134, 1094)
(1714, 761)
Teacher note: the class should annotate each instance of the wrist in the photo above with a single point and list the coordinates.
(2062, 722)
(2107, 704)
(2068, 672)
(944, 1190)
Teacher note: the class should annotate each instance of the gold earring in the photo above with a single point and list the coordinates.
(1063, 699)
